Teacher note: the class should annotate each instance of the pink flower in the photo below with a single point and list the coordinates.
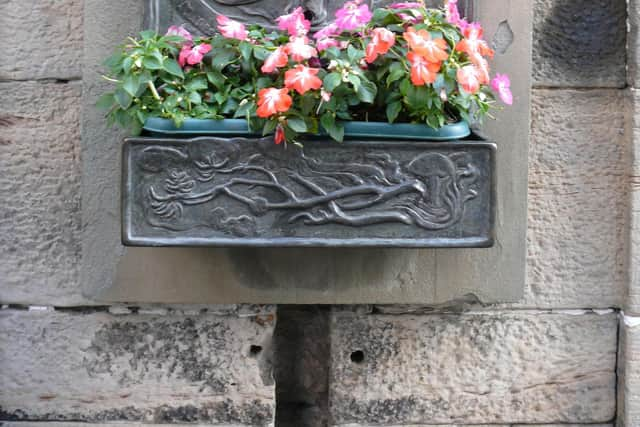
(326, 43)
(453, 14)
(193, 55)
(277, 59)
(180, 31)
(469, 79)
(300, 49)
(353, 16)
(295, 23)
(410, 18)
(502, 85)
(231, 29)
(326, 96)
(406, 5)
(326, 32)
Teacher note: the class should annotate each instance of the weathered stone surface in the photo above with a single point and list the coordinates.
(579, 43)
(633, 51)
(99, 367)
(44, 39)
(632, 303)
(629, 372)
(40, 193)
(501, 368)
(578, 171)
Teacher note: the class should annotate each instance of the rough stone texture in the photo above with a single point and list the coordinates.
(633, 52)
(578, 171)
(40, 193)
(579, 43)
(501, 368)
(632, 303)
(45, 39)
(99, 367)
(629, 372)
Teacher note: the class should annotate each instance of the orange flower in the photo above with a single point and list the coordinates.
(302, 79)
(380, 43)
(469, 78)
(422, 71)
(277, 59)
(433, 50)
(273, 101)
(472, 44)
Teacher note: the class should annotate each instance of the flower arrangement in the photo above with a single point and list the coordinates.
(401, 63)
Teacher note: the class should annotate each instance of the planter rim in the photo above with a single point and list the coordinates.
(353, 129)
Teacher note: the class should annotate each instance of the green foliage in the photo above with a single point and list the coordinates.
(149, 81)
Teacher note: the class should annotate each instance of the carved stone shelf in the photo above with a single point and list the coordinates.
(247, 192)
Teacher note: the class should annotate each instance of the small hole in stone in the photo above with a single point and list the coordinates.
(357, 356)
(255, 350)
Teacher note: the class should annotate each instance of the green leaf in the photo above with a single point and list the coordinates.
(333, 128)
(130, 84)
(172, 67)
(151, 63)
(332, 81)
(367, 91)
(222, 58)
(148, 34)
(269, 127)
(418, 98)
(127, 63)
(216, 78)
(246, 49)
(354, 54)
(105, 101)
(123, 98)
(354, 80)
(393, 109)
(195, 98)
(297, 124)
(396, 72)
(198, 83)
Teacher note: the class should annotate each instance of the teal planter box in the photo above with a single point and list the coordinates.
(378, 130)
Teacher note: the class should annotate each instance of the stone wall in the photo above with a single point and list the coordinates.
(550, 359)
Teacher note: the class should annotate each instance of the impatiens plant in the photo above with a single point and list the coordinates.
(401, 63)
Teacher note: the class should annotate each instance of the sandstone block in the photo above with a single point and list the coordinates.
(496, 368)
(97, 367)
(579, 43)
(578, 170)
(44, 39)
(40, 193)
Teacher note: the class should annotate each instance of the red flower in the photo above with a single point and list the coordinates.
(273, 101)
(279, 136)
(469, 78)
(433, 50)
(277, 59)
(422, 71)
(193, 55)
(302, 79)
(380, 43)
(231, 29)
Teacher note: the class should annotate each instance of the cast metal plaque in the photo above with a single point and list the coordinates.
(248, 192)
